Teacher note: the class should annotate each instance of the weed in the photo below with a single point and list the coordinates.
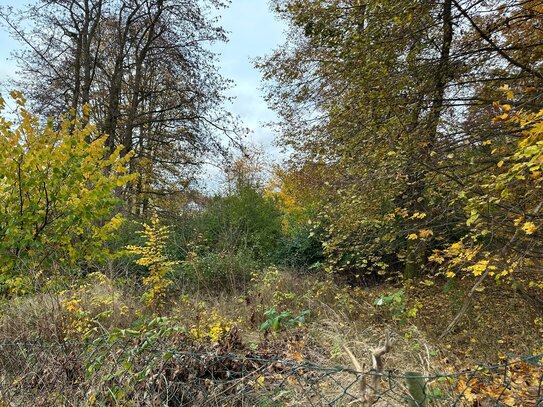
(277, 321)
(396, 304)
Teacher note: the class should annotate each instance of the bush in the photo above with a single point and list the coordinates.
(245, 221)
(57, 185)
(301, 249)
(153, 256)
(220, 270)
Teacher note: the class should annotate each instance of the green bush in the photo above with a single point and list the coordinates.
(57, 194)
(286, 319)
(301, 250)
(244, 221)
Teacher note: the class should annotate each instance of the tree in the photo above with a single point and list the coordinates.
(242, 218)
(504, 216)
(371, 101)
(387, 96)
(145, 68)
(57, 199)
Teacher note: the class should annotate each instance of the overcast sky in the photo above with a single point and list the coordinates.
(253, 31)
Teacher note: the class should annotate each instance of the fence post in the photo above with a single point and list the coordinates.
(416, 387)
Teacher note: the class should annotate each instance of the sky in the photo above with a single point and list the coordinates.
(253, 31)
(7, 45)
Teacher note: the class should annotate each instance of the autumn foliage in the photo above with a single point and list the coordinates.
(410, 206)
(57, 184)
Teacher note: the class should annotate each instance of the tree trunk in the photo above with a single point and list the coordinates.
(416, 249)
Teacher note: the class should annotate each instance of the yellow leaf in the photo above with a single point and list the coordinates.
(478, 268)
(507, 91)
(412, 236)
(298, 357)
(501, 117)
(436, 257)
(424, 233)
(529, 228)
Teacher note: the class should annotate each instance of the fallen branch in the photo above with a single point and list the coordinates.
(369, 392)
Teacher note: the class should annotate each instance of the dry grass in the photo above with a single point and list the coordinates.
(341, 316)
(35, 317)
(499, 322)
(47, 317)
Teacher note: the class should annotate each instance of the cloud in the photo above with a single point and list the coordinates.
(254, 31)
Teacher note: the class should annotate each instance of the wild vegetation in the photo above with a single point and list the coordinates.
(411, 203)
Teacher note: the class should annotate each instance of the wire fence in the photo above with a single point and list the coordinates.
(78, 374)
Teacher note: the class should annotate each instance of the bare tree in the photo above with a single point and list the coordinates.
(146, 69)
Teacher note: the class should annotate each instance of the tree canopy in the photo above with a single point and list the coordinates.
(145, 68)
(394, 101)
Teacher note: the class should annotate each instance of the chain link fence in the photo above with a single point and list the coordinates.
(78, 374)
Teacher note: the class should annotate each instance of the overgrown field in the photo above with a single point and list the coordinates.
(393, 258)
(102, 330)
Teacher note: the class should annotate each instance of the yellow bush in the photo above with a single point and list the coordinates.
(57, 194)
(91, 304)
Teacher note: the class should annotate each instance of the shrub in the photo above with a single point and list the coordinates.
(396, 304)
(276, 321)
(153, 256)
(300, 249)
(94, 306)
(57, 185)
(243, 221)
(220, 270)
